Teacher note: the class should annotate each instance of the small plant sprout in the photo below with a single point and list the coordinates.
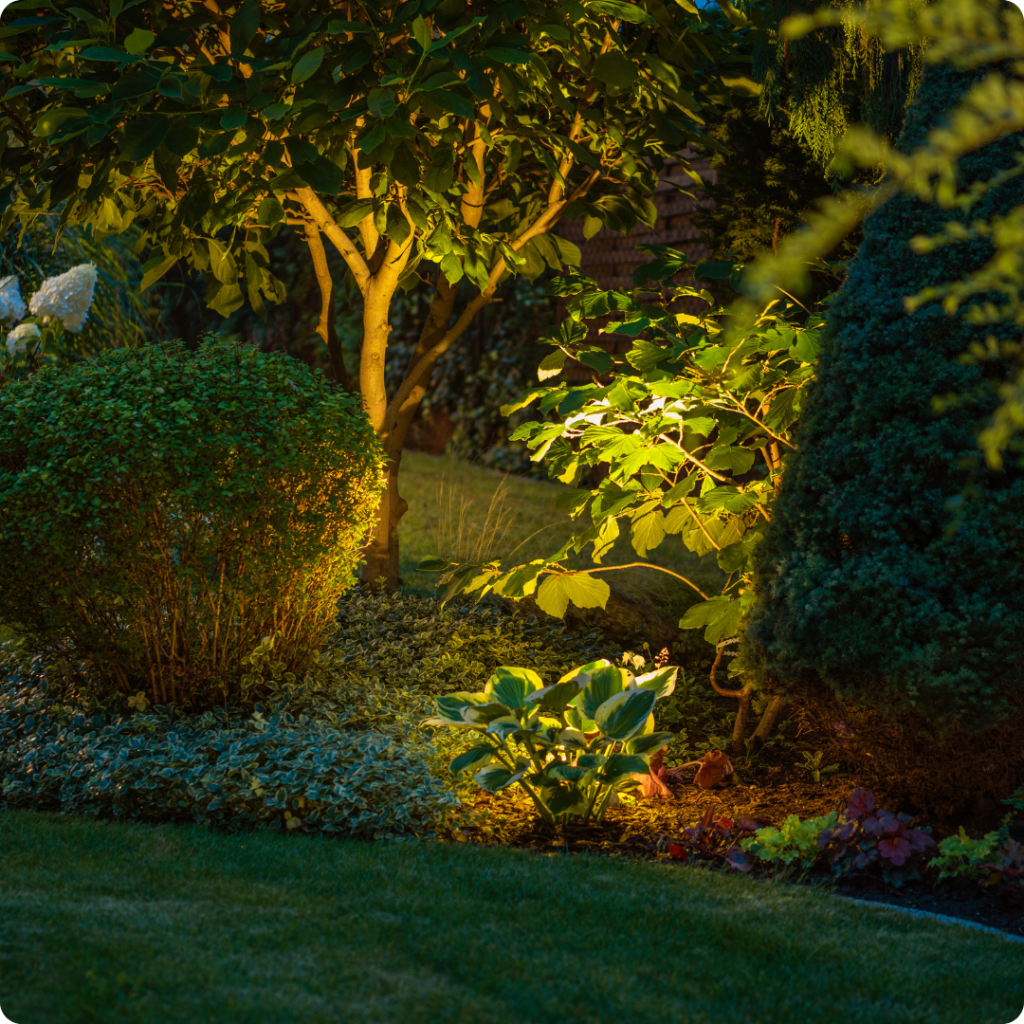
(812, 763)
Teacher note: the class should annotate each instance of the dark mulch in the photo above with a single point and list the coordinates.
(643, 830)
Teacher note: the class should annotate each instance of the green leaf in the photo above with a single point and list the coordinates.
(614, 69)
(322, 175)
(619, 767)
(721, 615)
(506, 55)
(154, 269)
(649, 744)
(625, 713)
(139, 138)
(474, 758)
(450, 707)
(662, 681)
(233, 119)
(181, 139)
(484, 714)
(604, 683)
(558, 695)
(494, 778)
(551, 365)
(307, 65)
(244, 25)
(647, 532)
(139, 41)
(512, 685)
(451, 102)
(271, 211)
(555, 593)
(349, 216)
(620, 11)
(404, 166)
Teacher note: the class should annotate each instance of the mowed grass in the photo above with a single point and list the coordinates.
(129, 923)
(468, 513)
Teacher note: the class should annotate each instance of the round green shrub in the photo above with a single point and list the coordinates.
(877, 579)
(162, 512)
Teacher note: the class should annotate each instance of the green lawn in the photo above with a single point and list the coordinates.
(468, 513)
(131, 923)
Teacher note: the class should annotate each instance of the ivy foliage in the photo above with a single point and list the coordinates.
(878, 577)
(164, 512)
(340, 749)
(691, 428)
(230, 766)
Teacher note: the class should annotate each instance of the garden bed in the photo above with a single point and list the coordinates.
(644, 830)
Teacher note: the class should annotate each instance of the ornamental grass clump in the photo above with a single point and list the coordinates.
(163, 512)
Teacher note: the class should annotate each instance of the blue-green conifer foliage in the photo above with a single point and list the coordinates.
(893, 571)
(163, 511)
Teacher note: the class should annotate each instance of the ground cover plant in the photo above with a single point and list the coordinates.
(183, 924)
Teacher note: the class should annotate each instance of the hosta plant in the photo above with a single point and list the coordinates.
(867, 834)
(570, 745)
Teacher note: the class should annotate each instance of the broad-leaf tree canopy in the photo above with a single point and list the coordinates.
(447, 134)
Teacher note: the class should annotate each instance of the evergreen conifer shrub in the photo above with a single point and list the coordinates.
(893, 570)
(163, 512)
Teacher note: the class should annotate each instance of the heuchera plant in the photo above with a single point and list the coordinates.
(715, 839)
(571, 762)
(867, 835)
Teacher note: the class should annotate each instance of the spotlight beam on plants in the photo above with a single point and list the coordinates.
(425, 141)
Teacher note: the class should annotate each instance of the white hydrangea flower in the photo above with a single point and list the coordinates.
(21, 337)
(11, 305)
(67, 297)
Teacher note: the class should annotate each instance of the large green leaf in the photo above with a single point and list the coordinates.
(474, 758)
(494, 778)
(604, 683)
(139, 138)
(614, 69)
(512, 686)
(558, 695)
(620, 767)
(450, 707)
(484, 714)
(307, 65)
(585, 591)
(624, 714)
(244, 25)
(662, 681)
(649, 743)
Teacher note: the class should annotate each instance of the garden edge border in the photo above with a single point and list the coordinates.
(930, 914)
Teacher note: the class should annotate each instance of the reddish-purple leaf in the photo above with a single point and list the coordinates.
(918, 840)
(862, 802)
(896, 850)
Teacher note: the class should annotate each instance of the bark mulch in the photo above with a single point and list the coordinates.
(643, 830)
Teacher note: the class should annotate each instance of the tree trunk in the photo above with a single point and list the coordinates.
(767, 723)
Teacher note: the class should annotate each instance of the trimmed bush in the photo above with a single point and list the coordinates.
(162, 512)
(227, 766)
(877, 580)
